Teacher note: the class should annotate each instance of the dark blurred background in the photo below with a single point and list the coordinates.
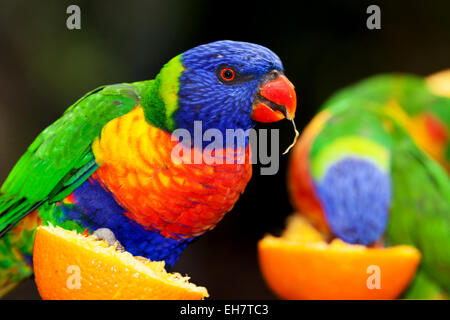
(324, 45)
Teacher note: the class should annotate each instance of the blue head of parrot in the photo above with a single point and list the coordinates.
(355, 194)
(230, 85)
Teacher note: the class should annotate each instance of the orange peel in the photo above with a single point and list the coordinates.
(301, 264)
(69, 265)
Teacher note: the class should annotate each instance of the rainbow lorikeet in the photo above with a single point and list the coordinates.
(107, 163)
(370, 169)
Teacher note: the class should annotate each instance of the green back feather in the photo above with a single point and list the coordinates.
(420, 212)
(60, 158)
(411, 93)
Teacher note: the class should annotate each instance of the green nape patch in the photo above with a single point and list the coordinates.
(160, 100)
(350, 146)
(154, 108)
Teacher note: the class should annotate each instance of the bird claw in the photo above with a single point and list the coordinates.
(108, 236)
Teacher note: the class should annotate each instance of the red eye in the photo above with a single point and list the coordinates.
(227, 74)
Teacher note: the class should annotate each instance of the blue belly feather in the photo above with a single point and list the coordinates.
(96, 208)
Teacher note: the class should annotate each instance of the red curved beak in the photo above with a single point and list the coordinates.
(275, 100)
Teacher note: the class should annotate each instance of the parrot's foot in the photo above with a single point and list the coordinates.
(108, 236)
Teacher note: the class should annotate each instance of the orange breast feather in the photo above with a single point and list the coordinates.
(179, 200)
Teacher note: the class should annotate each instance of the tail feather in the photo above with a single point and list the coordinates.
(16, 241)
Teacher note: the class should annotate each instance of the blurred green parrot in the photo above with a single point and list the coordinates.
(372, 168)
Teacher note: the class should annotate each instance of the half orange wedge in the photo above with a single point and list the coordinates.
(302, 265)
(68, 265)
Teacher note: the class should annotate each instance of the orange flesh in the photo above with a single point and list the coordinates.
(302, 265)
(68, 265)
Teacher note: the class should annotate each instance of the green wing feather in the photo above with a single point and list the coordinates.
(420, 213)
(60, 158)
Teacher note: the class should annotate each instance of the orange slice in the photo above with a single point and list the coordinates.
(68, 265)
(302, 265)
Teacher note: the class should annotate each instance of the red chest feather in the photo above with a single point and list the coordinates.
(177, 199)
